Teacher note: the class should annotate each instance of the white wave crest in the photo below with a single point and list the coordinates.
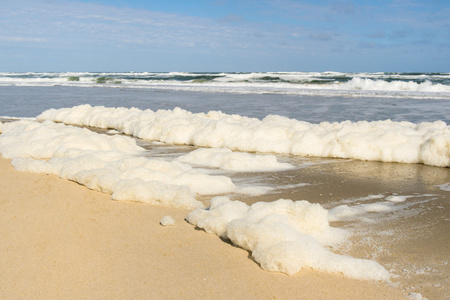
(420, 86)
(383, 85)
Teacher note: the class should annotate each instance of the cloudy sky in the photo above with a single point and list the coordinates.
(225, 35)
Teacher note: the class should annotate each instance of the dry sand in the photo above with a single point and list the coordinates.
(60, 240)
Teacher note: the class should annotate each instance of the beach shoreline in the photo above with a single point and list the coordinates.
(63, 240)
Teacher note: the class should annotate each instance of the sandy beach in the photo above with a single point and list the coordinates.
(61, 240)
(224, 150)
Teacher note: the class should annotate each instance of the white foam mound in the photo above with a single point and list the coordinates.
(226, 159)
(345, 212)
(106, 163)
(167, 221)
(387, 141)
(22, 139)
(284, 236)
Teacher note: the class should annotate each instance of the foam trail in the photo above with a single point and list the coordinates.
(386, 141)
(284, 236)
(444, 187)
(226, 159)
(110, 164)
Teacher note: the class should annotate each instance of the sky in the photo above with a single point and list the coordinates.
(224, 36)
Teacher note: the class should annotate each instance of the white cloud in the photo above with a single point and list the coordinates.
(76, 24)
(21, 39)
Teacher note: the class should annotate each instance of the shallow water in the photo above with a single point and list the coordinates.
(29, 101)
(409, 237)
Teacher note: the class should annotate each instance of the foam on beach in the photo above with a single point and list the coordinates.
(116, 165)
(109, 164)
(226, 159)
(386, 141)
(167, 221)
(346, 212)
(370, 208)
(284, 236)
(444, 187)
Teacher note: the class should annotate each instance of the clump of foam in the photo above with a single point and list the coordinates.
(284, 236)
(27, 138)
(254, 190)
(387, 141)
(444, 187)
(226, 159)
(398, 199)
(167, 221)
(109, 164)
(360, 211)
(345, 212)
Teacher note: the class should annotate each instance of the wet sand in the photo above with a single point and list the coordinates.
(412, 243)
(61, 240)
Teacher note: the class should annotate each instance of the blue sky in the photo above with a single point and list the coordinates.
(224, 35)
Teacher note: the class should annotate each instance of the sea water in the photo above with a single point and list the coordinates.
(180, 138)
(311, 97)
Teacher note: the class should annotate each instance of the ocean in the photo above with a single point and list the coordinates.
(310, 97)
(338, 172)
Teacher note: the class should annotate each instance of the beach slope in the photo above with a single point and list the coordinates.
(61, 240)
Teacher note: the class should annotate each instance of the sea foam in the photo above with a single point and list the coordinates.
(167, 221)
(284, 236)
(226, 159)
(110, 164)
(386, 141)
(116, 165)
